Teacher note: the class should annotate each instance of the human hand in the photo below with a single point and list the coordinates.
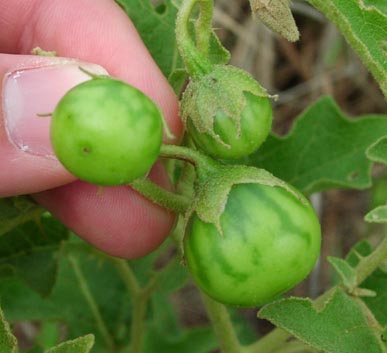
(119, 221)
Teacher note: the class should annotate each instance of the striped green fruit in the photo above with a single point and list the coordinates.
(269, 242)
(106, 132)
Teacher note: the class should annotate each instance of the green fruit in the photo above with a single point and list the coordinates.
(106, 132)
(269, 242)
(227, 113)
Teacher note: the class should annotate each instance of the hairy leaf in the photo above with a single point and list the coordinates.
(30, 252)
(8, 341)
(364, 25)
(341, 325)
(165, 334)
(277, 16)
(376, 282)
(324, 149)
(378, 151)
(377, 215)
(156, 26)
(15, 211)
(78, 345)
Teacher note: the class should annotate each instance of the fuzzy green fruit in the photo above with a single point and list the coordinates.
(226, 112)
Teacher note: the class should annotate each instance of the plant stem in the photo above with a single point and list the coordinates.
(92, 304)
(269, 342)
(127, 276)
(370, 263)
(204, 26)
(174, 202)
(140, 297)
(137, 328)
(204, 165)
(224, 330)
(197, 64)
(34, 214)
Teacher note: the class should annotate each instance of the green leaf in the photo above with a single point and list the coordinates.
(358, 252)
(67, 304)
(177, 80)
(49, 334)
(20, 302)
(377, 304)
(156, 26)
(194, 340)
(344, 270)
(30, 252)
(379, 4)
(78, 345)
(377, 215)
(324, 149)
(16, 211)
(173, 276)
(341, 325)
(8, 341)
(378, 151)
(365, 28)
(348, 277)
(376, 282)
(277, 16)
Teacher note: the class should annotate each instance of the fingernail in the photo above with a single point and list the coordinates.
(29, 92)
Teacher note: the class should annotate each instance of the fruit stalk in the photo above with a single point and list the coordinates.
(193, 56)
(155, 193)
(224, 330)
(203, 164)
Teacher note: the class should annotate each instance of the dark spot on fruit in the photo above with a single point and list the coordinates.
(86, 150)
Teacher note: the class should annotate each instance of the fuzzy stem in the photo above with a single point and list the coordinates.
(197, 64)
(204, 165)
(204, 27)
(171, 201)
(370, 263)
(221, 322)
(140, 297)
(175, 202)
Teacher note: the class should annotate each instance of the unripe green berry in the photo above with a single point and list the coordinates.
(226, 112)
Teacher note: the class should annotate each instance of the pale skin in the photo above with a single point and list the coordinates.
(118, 221)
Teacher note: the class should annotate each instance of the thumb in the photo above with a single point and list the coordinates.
(31, 86)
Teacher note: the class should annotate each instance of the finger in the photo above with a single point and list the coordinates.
(116, 219)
